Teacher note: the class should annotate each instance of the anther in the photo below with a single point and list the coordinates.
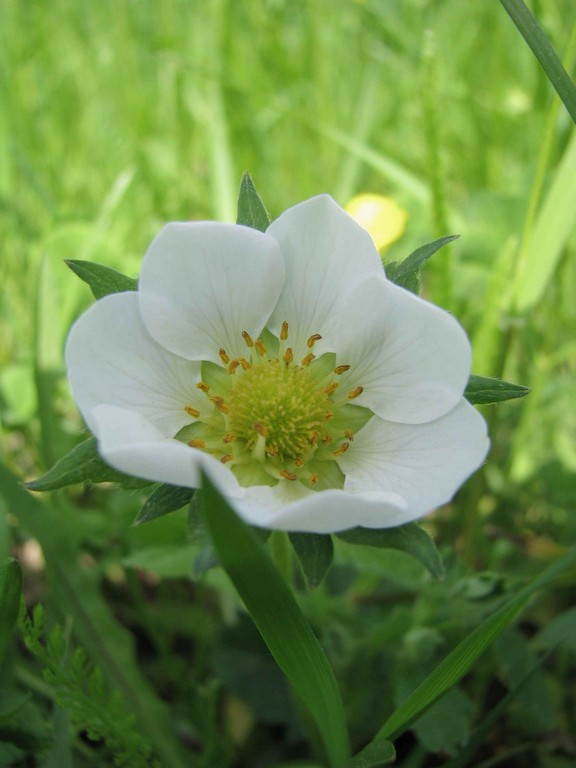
(244, 363)
(307, 360)
(247, 338)
(312, 340)
(197, 443)
(332, 388)
(341, 369)
(260, 348)
(349, 435)
(284, 331)
(223, 356)
(232, 367)
(299, 462)
(288, 356)
(329, 415)
(339, 451)
(194, 412)
(355, 393)
(228, 437)
(219, 403)
(327, 439)
(287, 475)
(313, 479)
(203, 387)
(227, 458)
(260, 428)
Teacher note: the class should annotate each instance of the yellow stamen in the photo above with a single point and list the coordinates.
(327, 439)
(284, 331)
(194, 412)
(223, 356)
(288, 475)
(244, 363)
(248, 339)
(313, 479)
(288, 356)
(328, 415)
(339, 451)
(341, 369)
(228, 437)
(203, 387)
(332, 388)
(260, 348)
(312, 340)
(307, 360)
(349, 434)
(355, 393)
(219, 403)
(197, 443)
(299, 462)
(232, 367)
(261, 429)
(227, 458)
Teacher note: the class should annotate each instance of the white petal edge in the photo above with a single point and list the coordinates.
(412, 358)
(326, 254)
(130, 443)
(203, 283)
(112, 359)
(425, 464)
(289, 506)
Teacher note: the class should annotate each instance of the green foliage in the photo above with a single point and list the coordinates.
(165, 499)
(315, 553)
(406, 273)
(102, 280)
(483, 390)
(10, 593)
(80, 689)
(251, 210)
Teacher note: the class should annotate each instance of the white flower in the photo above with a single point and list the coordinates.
(316, 394)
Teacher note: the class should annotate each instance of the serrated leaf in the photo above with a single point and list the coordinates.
(374, 755)
(165, 499)
(251, 210)
(83, 465)
(102, 280)
(482, 390)
(10, 592)
(314, 552)
(406, 273)
(408, 538)
(279, 619)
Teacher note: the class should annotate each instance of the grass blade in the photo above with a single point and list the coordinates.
(275, 612)
(541, 48)
(10, 591)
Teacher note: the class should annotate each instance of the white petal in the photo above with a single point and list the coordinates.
(289, 506)
(203, 283)
(326, 254)
(425, 464)
(412, 358)
(130, 443)
(112, 359)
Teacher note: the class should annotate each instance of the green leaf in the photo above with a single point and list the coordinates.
(482, 390)
(406, 273)
(10, 592)
(165, 499)
(374, 755)
(408, 538)
(280, 621)
(251, 210)
(461, 659)
(102, 280)
(83, 465)
(314, 552)
(541, 48)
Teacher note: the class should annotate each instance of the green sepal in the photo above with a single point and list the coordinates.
(251, 210)
(165, 499)
(408, 538)
(83, 465)
(406, 273)
(102, 280)
(10, 593)
(482, 390)
(373, 756)
(314, 552)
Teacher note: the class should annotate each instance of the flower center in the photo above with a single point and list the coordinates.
(272, 419)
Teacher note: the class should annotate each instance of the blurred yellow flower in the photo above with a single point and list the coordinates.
(381, 216)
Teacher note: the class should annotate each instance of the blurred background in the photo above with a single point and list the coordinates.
(116, 117)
